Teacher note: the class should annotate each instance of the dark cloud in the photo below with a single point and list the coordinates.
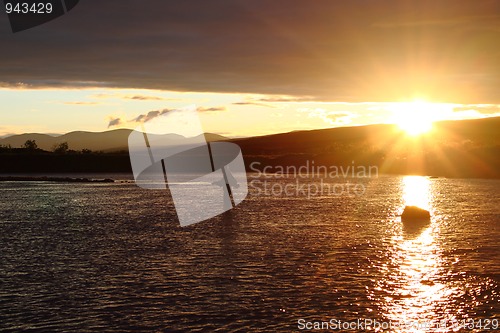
(254, 103)
(359, 50)
(143, 118)
(212, 109)
(115, 122)
(263, 101)
(62, 83)
(147, 117)
(145, 98)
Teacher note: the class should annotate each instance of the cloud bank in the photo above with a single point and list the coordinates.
(357, 51)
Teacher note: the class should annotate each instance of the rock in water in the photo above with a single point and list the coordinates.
(414, 213)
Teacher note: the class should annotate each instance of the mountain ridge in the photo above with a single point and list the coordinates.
(461, 148)
(118, 139)
(107, 141)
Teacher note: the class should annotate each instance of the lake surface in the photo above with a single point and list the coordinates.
(112, 257)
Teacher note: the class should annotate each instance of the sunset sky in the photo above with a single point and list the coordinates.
(251, 67)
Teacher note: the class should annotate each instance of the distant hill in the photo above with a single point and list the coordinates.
(484, 131)
(108, 141)
(465, 148)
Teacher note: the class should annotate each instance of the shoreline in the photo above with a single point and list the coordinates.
(55, 179)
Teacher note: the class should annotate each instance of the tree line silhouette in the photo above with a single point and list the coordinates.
(29, 158)
(30, 146)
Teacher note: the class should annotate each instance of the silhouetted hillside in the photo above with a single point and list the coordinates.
(466, 148)
(115, 140)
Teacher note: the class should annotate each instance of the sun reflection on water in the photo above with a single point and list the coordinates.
(415, 293)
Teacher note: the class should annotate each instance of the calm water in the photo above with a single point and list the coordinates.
(111, 257)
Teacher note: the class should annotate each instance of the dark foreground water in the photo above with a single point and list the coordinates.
(112, 258)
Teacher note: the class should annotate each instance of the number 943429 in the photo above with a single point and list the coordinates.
(28, 8)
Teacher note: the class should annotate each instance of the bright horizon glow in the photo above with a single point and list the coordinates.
(64, 110)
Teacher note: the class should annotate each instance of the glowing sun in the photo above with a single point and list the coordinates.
(414, 118)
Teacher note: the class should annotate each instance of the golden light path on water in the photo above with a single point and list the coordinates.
(415, 297)
(417, 191)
